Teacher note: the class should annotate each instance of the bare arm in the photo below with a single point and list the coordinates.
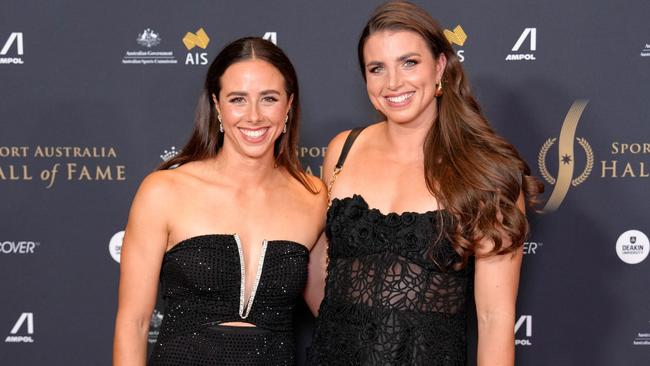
(144, 245)
(496, 282)
(315, 289)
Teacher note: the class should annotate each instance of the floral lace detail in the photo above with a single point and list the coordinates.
(392, 295)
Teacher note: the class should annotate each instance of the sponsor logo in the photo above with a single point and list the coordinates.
(17, 39)
(154, 326)
(26, 320)
(642, 339)
(457, 37)
(524, 331)
(199, 39)
(531, 247)
(271, 37)
(645, 52)
(149, 39)
(115, 245)
(52, 164)
(528, 33)
(169, 154)
(632, 246)
(18, 247)
(566, 159)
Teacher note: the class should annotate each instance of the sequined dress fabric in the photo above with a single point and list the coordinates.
(392, 295)
(201, 279)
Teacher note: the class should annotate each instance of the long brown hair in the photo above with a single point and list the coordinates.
(475, 174)
(206, 139)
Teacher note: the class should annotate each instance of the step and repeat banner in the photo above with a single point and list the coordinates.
(93, 96)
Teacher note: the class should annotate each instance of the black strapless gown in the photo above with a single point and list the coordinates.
(201, 281)
(392, 295)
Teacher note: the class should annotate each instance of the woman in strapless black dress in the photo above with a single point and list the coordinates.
(427, 209)
(228, 230)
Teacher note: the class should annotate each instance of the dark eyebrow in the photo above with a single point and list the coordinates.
(236, 93)
(374, 63)
(244, 94)
(408, 55)
(270, 91)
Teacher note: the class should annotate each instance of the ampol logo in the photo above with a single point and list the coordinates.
(524, 325)
(528, 33)
(26, 319)
(14, 38)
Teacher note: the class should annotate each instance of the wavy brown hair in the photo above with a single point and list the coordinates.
(473, 172)
(206, 139)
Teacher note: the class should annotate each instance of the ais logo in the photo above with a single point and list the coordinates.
(199, 39)
(524, 326)
(27, 320)
(457, 37)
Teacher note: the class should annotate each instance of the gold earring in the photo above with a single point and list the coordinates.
(284, 130)
(438, 92)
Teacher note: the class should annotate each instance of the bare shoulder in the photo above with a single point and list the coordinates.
(159, 189)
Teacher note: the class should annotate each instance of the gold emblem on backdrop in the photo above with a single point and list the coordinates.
(200, 39)
(566, 158)
(457, 36)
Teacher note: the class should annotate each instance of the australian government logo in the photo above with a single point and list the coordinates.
(642, 338)
(149, 39)
(457, 36)
(154, 326)
(645, 51)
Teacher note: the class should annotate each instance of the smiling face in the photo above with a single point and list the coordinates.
(253, 105)
(401, 76)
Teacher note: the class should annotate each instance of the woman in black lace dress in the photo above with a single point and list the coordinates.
(228, 231)
(427, 209)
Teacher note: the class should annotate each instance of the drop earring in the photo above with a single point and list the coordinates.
(284, 130)
(220, 123)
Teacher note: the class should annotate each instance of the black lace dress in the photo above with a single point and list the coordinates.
(201, 279)
(392, 295)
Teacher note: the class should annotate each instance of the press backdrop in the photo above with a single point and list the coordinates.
(94, 95)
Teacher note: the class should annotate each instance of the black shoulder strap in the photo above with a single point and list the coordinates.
(347, 145)
(344, 154)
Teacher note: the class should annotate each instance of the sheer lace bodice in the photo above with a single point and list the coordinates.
(392, 295)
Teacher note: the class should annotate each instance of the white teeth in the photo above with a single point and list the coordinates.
(399, 99)
(254, 133)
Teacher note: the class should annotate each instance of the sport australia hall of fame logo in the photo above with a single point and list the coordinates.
(564, 179)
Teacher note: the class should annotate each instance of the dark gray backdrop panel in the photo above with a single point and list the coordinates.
(585, 306)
